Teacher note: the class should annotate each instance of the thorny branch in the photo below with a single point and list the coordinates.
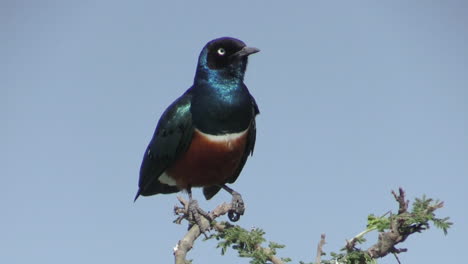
(394, 229)
(399, 230)
(186, 243)
(387, 240)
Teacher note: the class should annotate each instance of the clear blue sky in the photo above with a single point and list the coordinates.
(355, 100)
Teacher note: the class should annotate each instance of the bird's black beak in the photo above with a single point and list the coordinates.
(245, 51)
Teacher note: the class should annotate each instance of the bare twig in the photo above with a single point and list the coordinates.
(396, 256)
(319, 249)
(400, 198)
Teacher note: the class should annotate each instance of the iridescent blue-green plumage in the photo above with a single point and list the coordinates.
(218, 103)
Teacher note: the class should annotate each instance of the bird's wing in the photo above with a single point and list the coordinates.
(210, 191)
(171, 138)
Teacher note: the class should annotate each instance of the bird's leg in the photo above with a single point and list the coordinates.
(194, 212)
(237, 204)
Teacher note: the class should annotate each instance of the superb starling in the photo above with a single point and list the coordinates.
(203, 139)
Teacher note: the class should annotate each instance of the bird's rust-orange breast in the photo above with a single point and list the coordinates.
(209, 160)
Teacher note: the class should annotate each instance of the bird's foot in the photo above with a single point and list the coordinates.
(237, 207)
(192, 213)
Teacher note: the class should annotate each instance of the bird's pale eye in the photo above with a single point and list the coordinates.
(221, 51)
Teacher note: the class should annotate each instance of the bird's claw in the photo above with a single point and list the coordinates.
(237, 207)
(192, 213)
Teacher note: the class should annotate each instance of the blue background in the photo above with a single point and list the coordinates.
(357, 98)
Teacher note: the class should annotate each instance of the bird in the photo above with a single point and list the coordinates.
(203, 139)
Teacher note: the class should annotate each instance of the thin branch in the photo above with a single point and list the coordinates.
(319, 249)
(400, 198)
(387, 240)
(396, 256)
(186, 243)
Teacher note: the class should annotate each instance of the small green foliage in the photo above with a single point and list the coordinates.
(360, 239)
(423, 212)
(240, 239)
(273, 246)
(352, 257)
(442, 223)
(247, 243)
(357, 257)
(378, 223)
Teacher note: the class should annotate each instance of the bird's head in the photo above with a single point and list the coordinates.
(223, 59)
